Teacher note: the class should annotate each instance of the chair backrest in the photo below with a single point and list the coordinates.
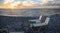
(40, 17)
(47, 20)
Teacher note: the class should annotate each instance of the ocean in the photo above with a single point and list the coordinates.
(29, 12)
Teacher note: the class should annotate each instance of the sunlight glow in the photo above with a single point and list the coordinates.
(44, 1)
(14, 4)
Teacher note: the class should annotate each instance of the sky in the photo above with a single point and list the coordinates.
(40, 2)
(28, 3)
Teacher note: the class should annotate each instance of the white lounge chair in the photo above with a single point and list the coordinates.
(38, 22)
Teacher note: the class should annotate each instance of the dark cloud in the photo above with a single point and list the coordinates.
(53, 3)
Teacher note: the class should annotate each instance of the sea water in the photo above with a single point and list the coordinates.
(29, 12)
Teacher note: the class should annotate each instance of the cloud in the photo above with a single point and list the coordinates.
(15, 3)
(53, 3)
(44, 1)
(8, 1)
(36, 1)
(27, 1)
(41, 2)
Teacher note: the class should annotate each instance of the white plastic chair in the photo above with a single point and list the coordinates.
(37, 22)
